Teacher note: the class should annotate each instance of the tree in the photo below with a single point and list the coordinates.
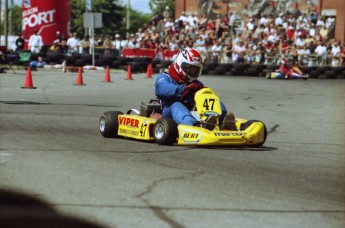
(113, 17)
(16, 20)
(159, 5)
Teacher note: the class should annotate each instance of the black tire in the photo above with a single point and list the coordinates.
(247, 124)
(220, 70)
(165, 131)
(314, 74)
(330, 74)
(212, 72)
(109, 124)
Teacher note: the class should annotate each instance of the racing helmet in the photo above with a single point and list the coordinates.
(188, 65)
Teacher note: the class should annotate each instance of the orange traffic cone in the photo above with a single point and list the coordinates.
(107, 75)
(28, 80)
(129, 73)
(149, 71)
(79, 80)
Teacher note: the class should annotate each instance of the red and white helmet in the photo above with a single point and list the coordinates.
(188, 65)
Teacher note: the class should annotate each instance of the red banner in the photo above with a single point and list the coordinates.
(139, 52)
(47, 17)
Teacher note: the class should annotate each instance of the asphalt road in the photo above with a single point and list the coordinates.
(55, 165)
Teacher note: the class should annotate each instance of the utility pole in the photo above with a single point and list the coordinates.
(10, 29)
(128, 18)
(6, 23)
(0, 20)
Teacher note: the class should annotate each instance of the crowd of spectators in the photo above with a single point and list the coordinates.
(233, 38)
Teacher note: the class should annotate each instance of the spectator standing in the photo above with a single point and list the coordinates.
(107, 45)
(232, 20)
(183, 17)
(35, 42)
(20, 42)
(160, 27)
(335, 54)
(216, 51)
(321, 52)
(58, 38)
(117, 45)
(167, 12)
(73, 44)
(85, 45)
(324, 33)
(240, 52)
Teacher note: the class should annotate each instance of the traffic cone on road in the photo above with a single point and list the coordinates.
(129, 73)
(28, 80)
(149, 71)
(107, 75)
(79, 80)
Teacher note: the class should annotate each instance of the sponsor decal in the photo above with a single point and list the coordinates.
(129, 122)
(129, 132)
(36, 18)
(191, 136)
(239, 133)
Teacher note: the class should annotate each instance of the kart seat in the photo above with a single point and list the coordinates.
(148, 108)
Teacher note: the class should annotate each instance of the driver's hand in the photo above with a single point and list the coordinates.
(194, 87)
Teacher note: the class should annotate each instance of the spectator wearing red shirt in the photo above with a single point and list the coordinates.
(290, 33)
(284, 47)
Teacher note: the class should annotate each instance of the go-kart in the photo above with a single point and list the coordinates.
(147, 124)
(296, 74)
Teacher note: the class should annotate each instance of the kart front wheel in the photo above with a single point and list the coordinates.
(165, 131)
(109, 124)
(250, 122)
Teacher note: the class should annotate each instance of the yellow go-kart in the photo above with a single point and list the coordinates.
(144, 125)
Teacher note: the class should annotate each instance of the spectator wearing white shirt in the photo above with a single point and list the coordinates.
(250, 24)
(117, 44)
(299, 42)
(263, 20)
(239, 52)
(312, 31)
(232, 20)
(73, 44)
(279, 20)
(183, 17)
(35, 42)
(193, 20)
(203, 50)
(335, 54)
(273, 38)
(216, 51)
(321, 51)
(320, 23)
(303, 53)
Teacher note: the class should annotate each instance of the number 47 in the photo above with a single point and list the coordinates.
(209, 102)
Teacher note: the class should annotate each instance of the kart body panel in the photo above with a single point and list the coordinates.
(141, 128)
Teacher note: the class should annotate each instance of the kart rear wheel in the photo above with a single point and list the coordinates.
(248, 123)
(165, 131)
(109, 124)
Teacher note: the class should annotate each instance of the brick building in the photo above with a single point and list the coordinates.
(326, 7)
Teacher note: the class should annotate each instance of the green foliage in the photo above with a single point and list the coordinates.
(113, 17)
(16, 20)
(160, 7)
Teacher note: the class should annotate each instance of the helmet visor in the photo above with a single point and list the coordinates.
(192, 70)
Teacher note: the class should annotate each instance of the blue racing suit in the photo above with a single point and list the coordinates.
(169, 92)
